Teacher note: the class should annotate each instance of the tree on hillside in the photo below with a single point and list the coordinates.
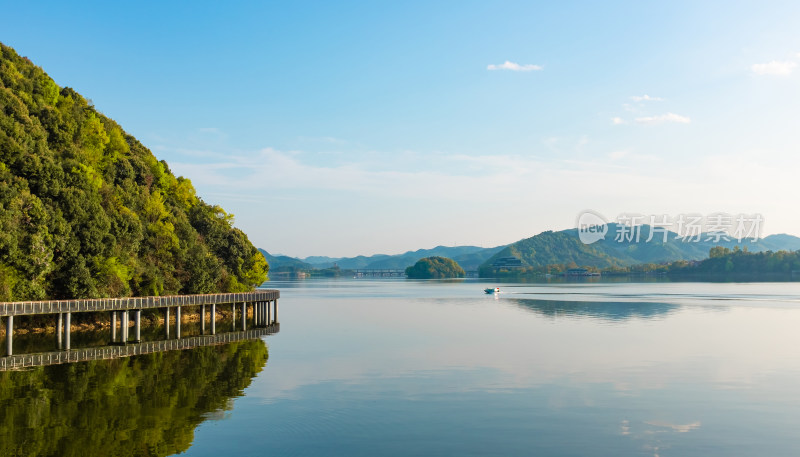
(435, 268)
(739, 261)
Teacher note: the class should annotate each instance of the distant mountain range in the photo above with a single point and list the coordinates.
(549, 248)
(469, 257)
(564, 247)
(282, 262)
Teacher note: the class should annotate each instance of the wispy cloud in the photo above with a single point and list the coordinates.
(663, 118)
(646, 98)
(476, 178)
(617, 155)
(774, 68)
(513, 66)
(630, 158)
(638, 108)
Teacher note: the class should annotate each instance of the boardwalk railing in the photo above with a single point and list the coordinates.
(17, 362)
(23, 308)
(263, 302)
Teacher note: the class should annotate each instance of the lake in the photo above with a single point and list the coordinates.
(398, 367)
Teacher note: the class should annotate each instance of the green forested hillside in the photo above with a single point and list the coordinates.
(435, 268)
(551, 248)
(87, 211)
(553, 251)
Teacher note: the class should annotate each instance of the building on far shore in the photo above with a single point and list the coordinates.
(507, 262)
(289, 274)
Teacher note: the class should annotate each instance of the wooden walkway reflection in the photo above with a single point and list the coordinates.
(23, 361)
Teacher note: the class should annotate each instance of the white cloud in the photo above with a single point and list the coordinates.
(508, 65)
(646, 98)
(629, 159)
(663, 118)
(482, 178)
(776, 68)
(618, 121)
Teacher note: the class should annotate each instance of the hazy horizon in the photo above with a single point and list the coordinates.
(413, 249)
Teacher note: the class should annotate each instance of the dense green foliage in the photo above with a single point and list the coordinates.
(435, 268)
(741, 262)
(87, 211)
(148, 405)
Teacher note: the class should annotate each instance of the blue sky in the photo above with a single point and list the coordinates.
(345, 128)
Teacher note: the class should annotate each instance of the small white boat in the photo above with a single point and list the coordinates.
(490, 290)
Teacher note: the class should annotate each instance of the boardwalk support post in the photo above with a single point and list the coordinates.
(9, 335)
(138, 324)
(178, 322)
(113, 327)
(213, 319)
(59, 330)
(124, 329)
(67, 330)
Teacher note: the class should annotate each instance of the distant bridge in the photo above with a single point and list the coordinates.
(379, 273)
(394, 273)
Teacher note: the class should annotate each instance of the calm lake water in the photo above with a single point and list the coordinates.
(396, 367)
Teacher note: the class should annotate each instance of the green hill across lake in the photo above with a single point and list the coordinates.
(564, 248)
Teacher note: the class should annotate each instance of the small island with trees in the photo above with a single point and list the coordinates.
(435, 268)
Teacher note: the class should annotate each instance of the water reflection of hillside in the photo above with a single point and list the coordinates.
(142, 405)
(610, 311)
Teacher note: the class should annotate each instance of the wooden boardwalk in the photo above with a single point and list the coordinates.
(263, 302)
